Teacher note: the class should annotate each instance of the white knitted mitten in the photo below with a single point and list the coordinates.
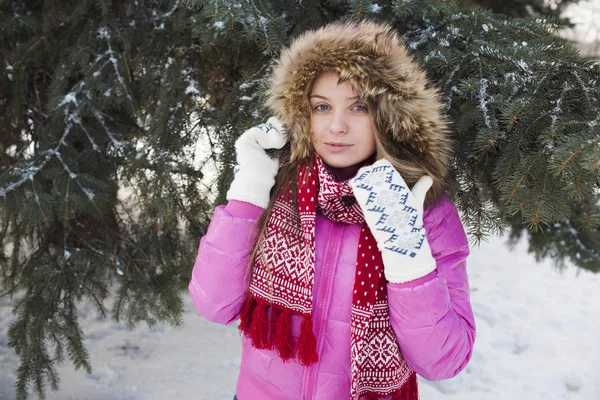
(395, 216)
(256, 170)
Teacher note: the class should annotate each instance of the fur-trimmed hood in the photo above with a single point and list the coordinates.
(408, 107)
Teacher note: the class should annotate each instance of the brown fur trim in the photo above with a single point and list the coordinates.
(370, 54)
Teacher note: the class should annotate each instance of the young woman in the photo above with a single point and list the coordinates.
(342, 258)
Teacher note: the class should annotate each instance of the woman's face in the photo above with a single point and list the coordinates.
(342, 129)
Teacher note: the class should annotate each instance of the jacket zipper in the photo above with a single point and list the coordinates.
(318, 315)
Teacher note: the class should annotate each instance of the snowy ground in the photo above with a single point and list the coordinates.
(537, 339)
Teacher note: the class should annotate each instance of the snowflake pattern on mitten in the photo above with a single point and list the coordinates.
(390, 210)
(266, 127)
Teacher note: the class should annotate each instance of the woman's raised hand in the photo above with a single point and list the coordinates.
(256, 170)
(394, 215)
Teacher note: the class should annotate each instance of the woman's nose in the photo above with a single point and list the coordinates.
(338, 123)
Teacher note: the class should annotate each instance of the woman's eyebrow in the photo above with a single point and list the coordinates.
(325, 98)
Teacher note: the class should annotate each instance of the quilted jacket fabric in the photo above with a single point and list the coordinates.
(431, 316)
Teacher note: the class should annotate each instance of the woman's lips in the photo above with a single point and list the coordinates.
(337, 147)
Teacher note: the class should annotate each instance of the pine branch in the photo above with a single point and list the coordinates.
(150, 96)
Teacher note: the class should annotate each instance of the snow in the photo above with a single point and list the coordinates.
(191, 89)
(536, 340)
(113, 137)
(483, 101)
(375, 8)
(69, 98)
(103, 33)
(90, 195)
(524, 66)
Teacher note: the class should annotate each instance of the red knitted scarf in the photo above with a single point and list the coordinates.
(282, 279)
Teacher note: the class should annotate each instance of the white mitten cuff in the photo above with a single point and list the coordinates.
(400, 269)
(251, 188)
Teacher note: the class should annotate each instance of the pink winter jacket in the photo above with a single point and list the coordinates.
(431, 316)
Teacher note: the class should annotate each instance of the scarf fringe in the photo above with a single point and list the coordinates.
(275, 333)
(307, 344)
(273, 321)
(408, 391)
(284, 343)
(259, 329)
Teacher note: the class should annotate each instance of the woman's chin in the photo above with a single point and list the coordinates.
(338, 164)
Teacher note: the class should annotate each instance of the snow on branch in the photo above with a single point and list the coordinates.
(104, 33)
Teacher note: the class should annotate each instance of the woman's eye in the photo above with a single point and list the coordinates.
(321, 107)
(361, 108)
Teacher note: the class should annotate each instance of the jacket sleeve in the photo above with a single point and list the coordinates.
(432, 316)
(219, 281)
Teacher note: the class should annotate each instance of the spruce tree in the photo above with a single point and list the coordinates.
(111, 159)
(520, 8)
(117, 124)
